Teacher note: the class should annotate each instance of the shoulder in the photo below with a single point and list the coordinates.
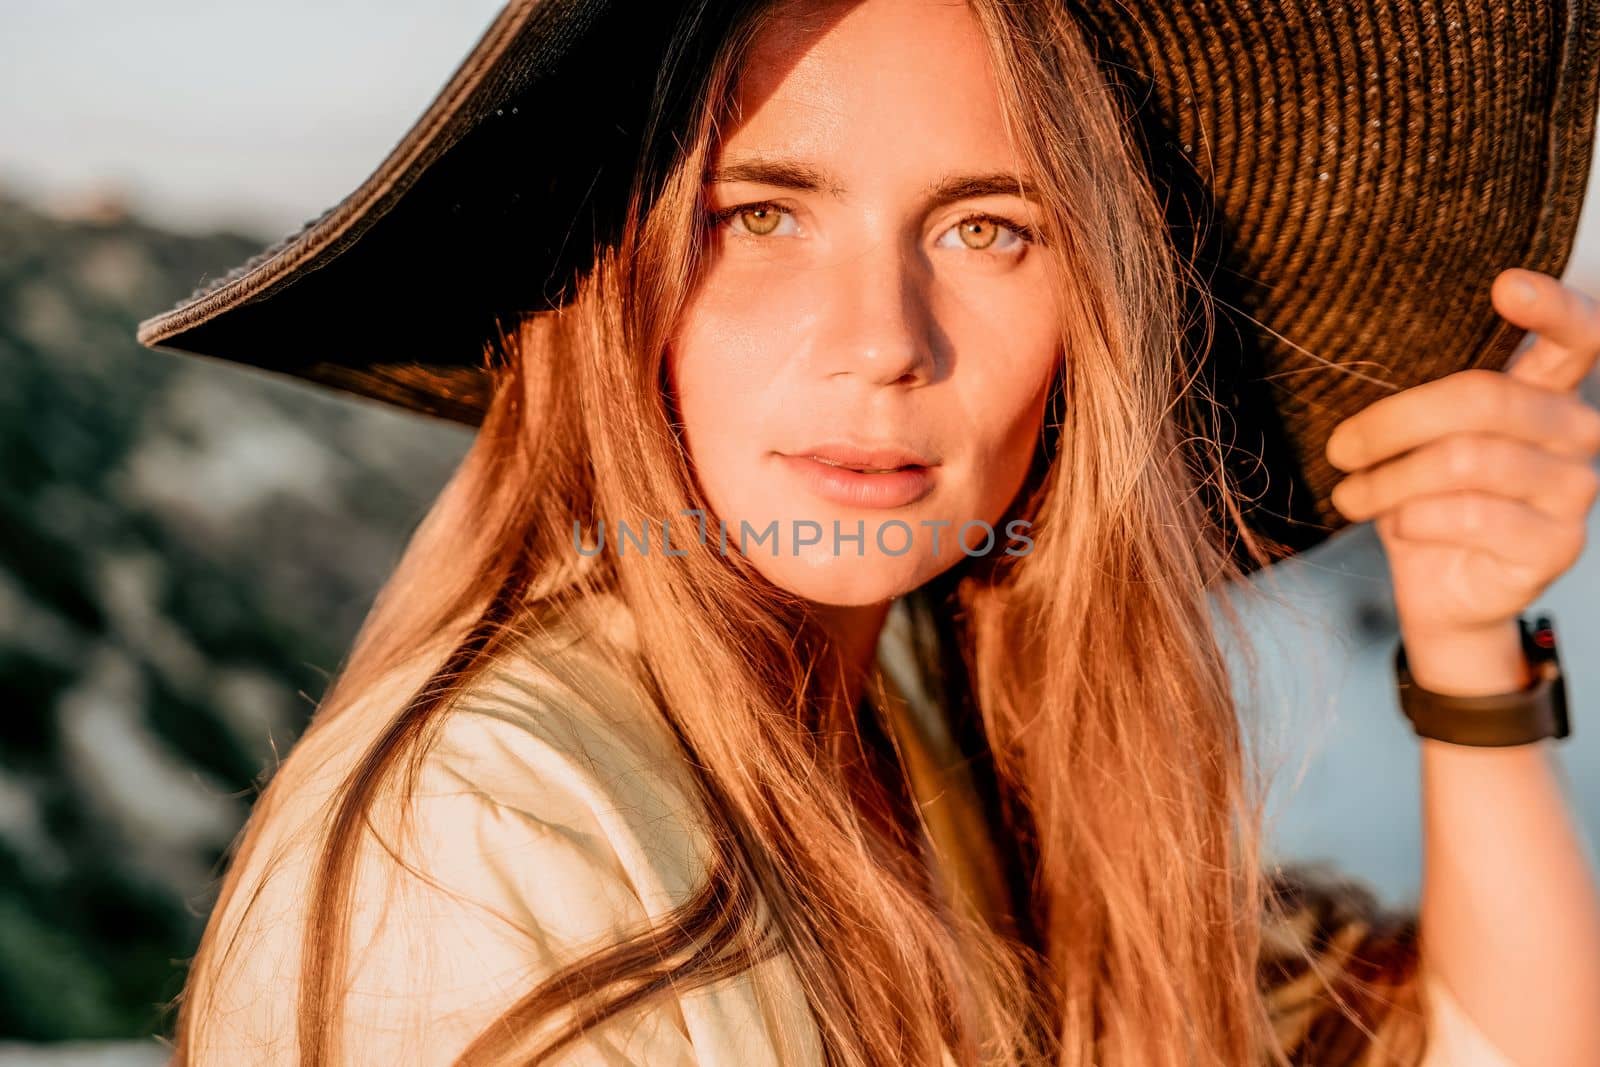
(544, 823)
(557, 795)
(552, 815)
(562, 751)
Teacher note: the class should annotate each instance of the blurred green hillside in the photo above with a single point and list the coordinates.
(186, 550)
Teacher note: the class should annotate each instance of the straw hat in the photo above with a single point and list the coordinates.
(1366, 169)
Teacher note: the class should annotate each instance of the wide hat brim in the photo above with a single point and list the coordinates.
(1347, 178)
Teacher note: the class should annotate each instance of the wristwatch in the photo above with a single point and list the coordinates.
(1496, 719)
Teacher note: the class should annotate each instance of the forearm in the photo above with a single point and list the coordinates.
(1510, 910)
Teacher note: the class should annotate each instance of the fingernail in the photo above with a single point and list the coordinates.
(1522, 291)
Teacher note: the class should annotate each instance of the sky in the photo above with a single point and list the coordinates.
(246, 114)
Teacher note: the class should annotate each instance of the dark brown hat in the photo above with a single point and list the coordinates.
(1362, 172)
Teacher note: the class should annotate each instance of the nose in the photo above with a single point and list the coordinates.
(880, 328)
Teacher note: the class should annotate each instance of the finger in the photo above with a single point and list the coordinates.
(1488, 401)
(1560, 487)
(1510, 530)
(1566, 323)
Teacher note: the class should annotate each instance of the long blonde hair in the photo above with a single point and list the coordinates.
(1123, 779)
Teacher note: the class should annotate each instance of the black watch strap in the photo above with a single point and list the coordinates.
(1495, 719)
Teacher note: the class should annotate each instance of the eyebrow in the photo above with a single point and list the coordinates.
(804, 177)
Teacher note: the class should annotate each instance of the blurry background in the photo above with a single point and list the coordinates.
(187, 547)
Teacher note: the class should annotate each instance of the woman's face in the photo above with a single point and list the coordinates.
(873, 286)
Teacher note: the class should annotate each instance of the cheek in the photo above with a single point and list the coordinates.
(721, 376)
(1007, 391)
(1014, 424)
(700, 391)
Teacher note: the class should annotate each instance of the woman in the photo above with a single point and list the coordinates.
(893, 272)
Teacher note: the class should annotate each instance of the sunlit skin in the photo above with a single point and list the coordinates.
(856, 309)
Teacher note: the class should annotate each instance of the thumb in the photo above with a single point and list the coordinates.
(1565, 322)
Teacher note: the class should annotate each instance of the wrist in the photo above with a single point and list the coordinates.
(1469, 662)
(1472, 696)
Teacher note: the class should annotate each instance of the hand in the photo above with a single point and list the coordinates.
(1480, 482)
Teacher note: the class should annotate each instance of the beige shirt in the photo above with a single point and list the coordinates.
(570, 819)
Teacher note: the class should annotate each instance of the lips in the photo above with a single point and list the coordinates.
(878, 459)
(863, 477)
(890, 469)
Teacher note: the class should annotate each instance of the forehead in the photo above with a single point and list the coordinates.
(871, 81)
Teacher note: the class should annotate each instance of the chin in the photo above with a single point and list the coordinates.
(845, 581)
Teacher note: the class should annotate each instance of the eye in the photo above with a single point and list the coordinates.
(760, 219)
(984, 233)
(977, 233)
